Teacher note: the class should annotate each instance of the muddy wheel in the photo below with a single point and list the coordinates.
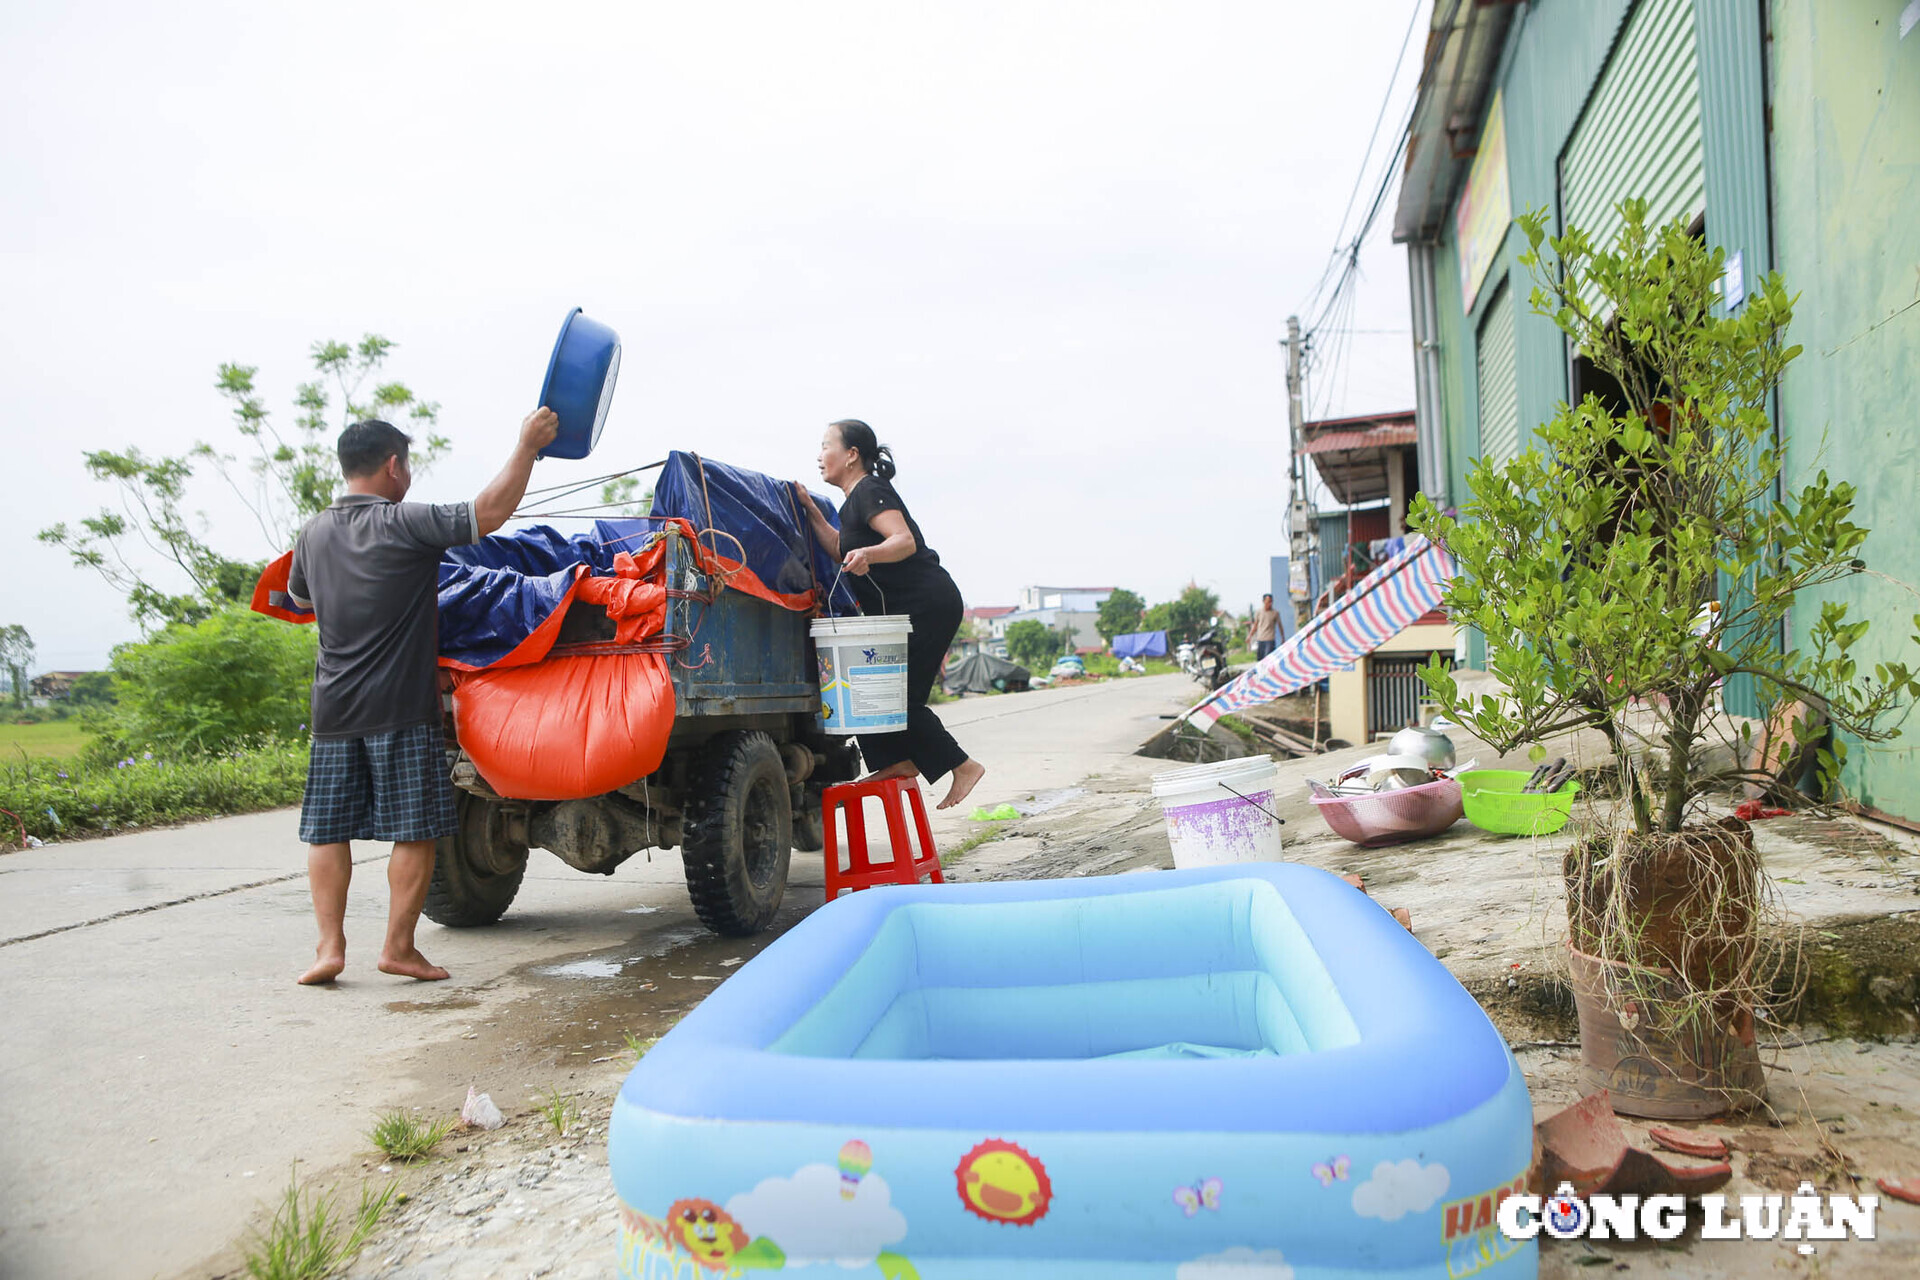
(477, 872)
(739, 833)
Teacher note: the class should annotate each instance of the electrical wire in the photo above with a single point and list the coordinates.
(1335, 309)
(1373, 138)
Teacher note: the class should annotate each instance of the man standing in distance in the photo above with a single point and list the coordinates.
(1266, 626)
(369, 568)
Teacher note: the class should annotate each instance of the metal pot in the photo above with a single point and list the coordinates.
(1431, 745)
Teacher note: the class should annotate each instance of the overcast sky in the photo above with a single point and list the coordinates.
(1046, 249)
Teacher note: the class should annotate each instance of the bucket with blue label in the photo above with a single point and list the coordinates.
(863, 672)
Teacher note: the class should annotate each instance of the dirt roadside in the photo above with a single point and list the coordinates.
(1845, 1092)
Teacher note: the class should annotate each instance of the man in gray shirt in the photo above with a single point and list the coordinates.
(369, 568)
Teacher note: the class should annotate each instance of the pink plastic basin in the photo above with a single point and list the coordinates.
(1389, 817)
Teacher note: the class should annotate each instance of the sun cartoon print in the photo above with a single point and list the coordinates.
(1002, 1183)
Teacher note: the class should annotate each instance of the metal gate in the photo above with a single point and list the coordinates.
(1499, 381)
(1640, 134)
(1395, 691)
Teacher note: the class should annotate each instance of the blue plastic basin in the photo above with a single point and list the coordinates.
(579, 385)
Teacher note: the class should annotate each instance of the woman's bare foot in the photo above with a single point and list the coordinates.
(966, 776)
(905, 769)
(325, 969)
(412, 965)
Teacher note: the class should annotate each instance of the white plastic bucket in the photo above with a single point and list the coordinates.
(1218, 814)
(863, 672)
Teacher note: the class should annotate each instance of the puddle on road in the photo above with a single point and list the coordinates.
(639, 911)
(431, 1006)
(583, 969)
(1046, 801)
(642, 988)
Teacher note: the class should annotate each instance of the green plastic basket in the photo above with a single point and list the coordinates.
(1495, 802)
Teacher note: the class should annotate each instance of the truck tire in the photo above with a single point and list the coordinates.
(477, 872)
(739, 833)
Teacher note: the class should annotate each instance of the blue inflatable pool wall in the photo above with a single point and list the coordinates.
(1236, 1073)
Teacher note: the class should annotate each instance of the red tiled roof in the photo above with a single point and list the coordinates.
(1384, 435)
(1399, 417)
(990, 611)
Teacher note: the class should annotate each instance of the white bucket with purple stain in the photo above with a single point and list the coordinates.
(1221, 813)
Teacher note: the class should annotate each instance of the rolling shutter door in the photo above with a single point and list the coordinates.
(1499, 388)
(1640, 136)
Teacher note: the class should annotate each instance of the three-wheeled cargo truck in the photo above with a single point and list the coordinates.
(738, 790)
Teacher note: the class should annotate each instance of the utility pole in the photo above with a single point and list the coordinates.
(1300, 534)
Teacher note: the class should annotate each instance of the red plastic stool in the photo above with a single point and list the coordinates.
(862, 872)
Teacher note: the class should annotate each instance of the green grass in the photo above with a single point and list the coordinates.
(972, 842)
(309, 1238)
(58, 739)
(1238, 728)
(559, 1110)
(403, 1137)
(58, 798)
(637, 1045)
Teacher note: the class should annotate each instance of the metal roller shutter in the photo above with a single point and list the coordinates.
(1640, 135)
(1499, 386)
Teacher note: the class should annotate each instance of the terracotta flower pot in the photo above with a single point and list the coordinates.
(1708, 1068)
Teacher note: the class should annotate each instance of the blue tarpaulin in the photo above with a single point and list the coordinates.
(1140, 644)
(496, 592)
(762, 512)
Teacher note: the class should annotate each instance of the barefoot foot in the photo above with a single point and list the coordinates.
(965, 777)
(325, 969)
(905, 769)
(412, 964)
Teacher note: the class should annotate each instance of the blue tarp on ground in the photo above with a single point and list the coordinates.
(495, 593)
(1140, 644)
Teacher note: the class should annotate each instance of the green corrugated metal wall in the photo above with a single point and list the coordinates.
(1499, 390)
(1558, 48)
(1734, 150)
(1846, 159)
(1562, 46)
(1641, 133)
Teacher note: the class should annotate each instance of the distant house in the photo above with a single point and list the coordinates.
(1072, 609)
(977, 634)
(1078, 599)
(54, 685)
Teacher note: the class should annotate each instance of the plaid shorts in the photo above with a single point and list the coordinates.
(386, 786)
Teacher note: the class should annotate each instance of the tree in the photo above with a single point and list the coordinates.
(624, 497)
(1184, 618)
(1120, 614)
(198, 687)
(91, 689)
(1644, 551)
(1594, 563)
(1033, 644)
(16, 655)
(285, 479)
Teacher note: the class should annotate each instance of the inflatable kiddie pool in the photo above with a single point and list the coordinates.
(1227, 1073)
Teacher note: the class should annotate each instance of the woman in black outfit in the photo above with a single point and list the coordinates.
(893, 570)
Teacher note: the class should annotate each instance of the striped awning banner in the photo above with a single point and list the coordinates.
(1379, 607)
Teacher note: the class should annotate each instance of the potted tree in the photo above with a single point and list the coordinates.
(1644, 550)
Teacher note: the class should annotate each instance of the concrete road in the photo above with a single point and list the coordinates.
(161, 1073)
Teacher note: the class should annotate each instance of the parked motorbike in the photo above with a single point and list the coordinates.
(1210, 659)
(1183, 654)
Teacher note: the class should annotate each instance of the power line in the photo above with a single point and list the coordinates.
(1373, 138)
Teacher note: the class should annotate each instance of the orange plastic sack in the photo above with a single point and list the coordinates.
(568, 727)
(575, 725)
